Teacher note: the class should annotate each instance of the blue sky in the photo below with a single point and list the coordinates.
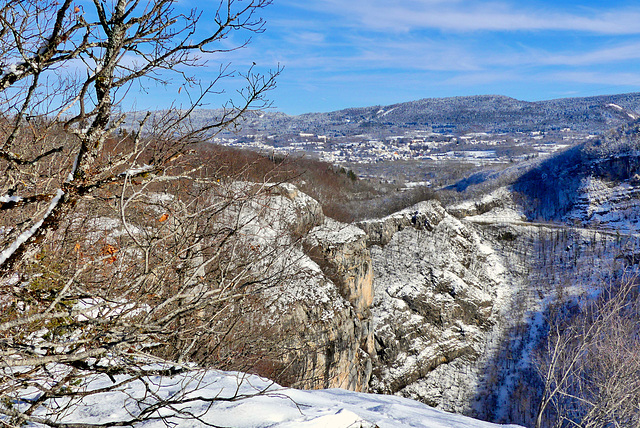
(349, 53)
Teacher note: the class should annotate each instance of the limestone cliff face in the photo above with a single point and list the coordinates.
(459, 306)
(341, 251)
(446, 310)
(607, 204)
(324, 305)
(424, 216)
(436, 285)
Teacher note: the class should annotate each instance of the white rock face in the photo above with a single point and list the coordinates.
(606, 204)
(342, 250)
(323, 303)
(496, 206)
(437, 284)
(449, 310)
(459, 305)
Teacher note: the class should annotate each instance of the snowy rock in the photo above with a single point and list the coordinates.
(494, 207)
(435, 288)
(324, 305)
(342, 252)
(425, 215)
(607, 204)
(301, 211)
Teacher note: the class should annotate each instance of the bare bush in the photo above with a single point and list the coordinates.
(590, 365)
(124, 252)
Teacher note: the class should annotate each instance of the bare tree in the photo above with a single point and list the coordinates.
(590, 365)
(129, 43)
(124, 246)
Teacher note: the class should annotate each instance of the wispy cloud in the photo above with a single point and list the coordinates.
(611, 79)
(482, 78)
(625, 52)
(357, 52)
(464, 16)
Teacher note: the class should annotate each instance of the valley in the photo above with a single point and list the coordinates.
(465, 289)
(431, 266)
(430, 136)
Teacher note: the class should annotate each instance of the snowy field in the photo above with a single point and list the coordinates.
(260, 403)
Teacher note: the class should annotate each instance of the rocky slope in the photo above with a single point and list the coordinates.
(460, 303)
(606, 204)
(594, 183)
(449, 305)
(310, 324)
(323, 306)
(438, 287)
(445, 309)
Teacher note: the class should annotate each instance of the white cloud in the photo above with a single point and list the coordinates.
(598, 78)
(363, 51)
(484, 78)
(308, 37)
(620, 53)
(465, 15)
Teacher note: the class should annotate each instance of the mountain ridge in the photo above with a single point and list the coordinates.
(479, 113)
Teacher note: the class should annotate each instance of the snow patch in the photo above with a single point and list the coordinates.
(10, 69)
(94, 308)
(383, 113)
(137, 170)
(24, 236)
(266, 405)
(630, 114)
(6, 199)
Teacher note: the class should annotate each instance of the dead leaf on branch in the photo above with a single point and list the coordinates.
(108, 249)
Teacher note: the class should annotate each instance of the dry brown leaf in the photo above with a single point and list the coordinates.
(108, 249)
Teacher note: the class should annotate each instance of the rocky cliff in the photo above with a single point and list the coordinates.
(323, 304)
(449, 305)
(605, 202)
(438, 289)
(460, 303)
(448, 310)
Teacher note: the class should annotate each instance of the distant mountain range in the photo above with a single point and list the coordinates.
(486, 113)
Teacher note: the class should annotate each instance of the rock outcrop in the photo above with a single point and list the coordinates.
(607, 204)
(436, 287)
(440, 308)
(446, 309)
(323, 304)
(342, 253)
(424, 216)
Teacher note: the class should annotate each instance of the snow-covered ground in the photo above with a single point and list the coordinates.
(266, 405)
